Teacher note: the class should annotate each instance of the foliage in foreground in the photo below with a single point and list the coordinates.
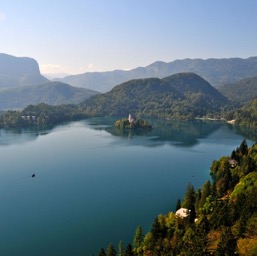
(222, 219)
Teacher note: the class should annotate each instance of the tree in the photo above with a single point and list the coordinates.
(120, 248)
(138, 237)
(156, 229)
(227, 244)
(192, 215)
(243, 147)
(189, 200)
(129, 250)
(206, 191)
(111, 250)
(233, 155)
(178, 205)
(102, 252)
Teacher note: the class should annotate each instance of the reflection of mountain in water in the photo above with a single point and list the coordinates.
(248, 133)
(19, 136)
(182, 133)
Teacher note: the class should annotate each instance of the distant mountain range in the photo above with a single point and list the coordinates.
(53, 93)
(180, 96)
(242, 91)
(216, 71)
(19, 71)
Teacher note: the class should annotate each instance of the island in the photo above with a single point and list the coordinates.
(132, 123)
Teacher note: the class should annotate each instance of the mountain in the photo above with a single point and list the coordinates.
(19, 71)
(242, 91)
(181, 96)
(247, 115)
(215, 71)
(53, 93)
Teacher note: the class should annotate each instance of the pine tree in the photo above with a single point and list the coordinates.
(129, 250)
(189, 200)
(156, 229)
(178, 205)
(206, 191)
(102, 252)
(120, 248)
(138, 237)
(111, 250)
(243, 148)
(227, 245)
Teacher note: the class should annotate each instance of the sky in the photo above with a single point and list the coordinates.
(78, 36)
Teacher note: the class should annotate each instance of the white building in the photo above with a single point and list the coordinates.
(130, 119)
(182, 213)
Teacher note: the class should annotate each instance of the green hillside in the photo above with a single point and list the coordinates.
(240, 92)
(218, 219)
(247, 115)
(181, 96)
(53, 93)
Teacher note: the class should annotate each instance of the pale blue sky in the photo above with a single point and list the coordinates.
(76, 36)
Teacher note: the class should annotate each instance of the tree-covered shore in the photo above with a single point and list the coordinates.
(40, 115)
(221, 219)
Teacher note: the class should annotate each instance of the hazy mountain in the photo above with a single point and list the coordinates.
(19, 71)
(55, 76)
(182, 96)
(215, 71)
(242, 91)
(53, 93)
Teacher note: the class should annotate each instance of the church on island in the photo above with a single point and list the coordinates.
(132, 123)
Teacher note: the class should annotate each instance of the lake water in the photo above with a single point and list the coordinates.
(95, 184)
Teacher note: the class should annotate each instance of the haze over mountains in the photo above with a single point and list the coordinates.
(216, 71)
(22, 84)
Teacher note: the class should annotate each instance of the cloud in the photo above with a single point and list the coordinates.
(2, 16)
(89, 68)
(51, 68)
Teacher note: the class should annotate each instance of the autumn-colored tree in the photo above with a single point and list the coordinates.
(227, 245)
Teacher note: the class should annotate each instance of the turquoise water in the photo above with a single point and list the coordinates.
(95, 184)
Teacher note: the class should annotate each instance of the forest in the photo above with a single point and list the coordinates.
(184, 96)
(220, 219)
(40, 115)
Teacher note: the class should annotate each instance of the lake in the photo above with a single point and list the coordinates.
(95, 184)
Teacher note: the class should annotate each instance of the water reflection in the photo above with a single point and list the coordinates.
(180, 133)
(19, 135)
(177, 133)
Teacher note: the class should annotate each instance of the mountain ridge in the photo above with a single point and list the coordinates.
(216, 71)
(53, 93)
(19, 71)
(158, 98)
